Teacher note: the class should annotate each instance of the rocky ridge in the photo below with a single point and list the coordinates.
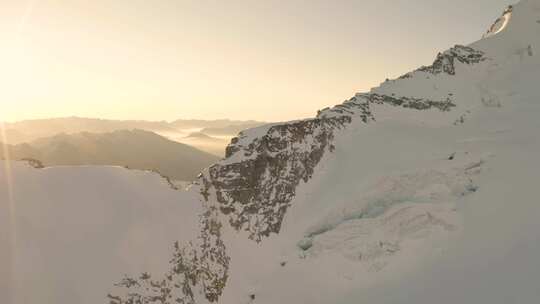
(253, 187)
(446, 61)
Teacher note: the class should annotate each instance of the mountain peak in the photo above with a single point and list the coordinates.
(516, 31)
(501, 23)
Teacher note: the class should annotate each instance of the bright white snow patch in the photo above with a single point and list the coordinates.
(499, 25)
(78, 230)
(396, 211)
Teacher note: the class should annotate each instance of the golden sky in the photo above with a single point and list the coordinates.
(169, 59)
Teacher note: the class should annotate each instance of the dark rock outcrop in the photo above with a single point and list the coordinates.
(255, 189)
(446, 61)
(200, 267)
(410, 102)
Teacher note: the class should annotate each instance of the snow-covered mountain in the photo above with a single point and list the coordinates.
(422, 190)
(28, 130)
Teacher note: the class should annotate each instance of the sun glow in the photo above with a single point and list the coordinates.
(11, 223)
(165, 60)
(7, 165)
(11, 76)
(15, 65)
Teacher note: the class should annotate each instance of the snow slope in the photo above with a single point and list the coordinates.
(416, 186)
(422, 190)
(79, 229)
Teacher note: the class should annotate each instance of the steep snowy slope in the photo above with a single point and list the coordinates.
(69, 231)
(373, 188)
(422, 190)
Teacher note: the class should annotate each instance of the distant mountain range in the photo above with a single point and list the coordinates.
(213, 135)
(218, 123)
(28, 130)
(231, 129)
(137, 149)
(202, 136)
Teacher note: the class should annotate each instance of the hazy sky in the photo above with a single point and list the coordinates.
(168, 59)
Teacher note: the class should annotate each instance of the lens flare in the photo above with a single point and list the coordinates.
(11, 225)
(9, 180)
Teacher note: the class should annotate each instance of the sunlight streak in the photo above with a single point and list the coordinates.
(11, 223)
(11, 205)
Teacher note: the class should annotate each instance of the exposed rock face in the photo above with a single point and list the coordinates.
(354, 107)
(445, 62)
(34, 163)
(255, 192)
(410, 102)
(199, 268)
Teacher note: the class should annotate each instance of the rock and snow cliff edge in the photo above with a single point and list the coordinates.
(369, 219)
(371, 200)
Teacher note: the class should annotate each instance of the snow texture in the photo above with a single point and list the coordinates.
(423, 190)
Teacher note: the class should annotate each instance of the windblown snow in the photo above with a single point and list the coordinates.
(423, 190)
